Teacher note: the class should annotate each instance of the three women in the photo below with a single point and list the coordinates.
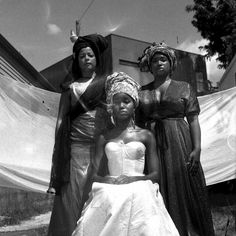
(164, 104)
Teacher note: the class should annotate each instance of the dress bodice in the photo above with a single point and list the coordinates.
(86, 126)
(125, 158)
(77, 89)
(178, 101)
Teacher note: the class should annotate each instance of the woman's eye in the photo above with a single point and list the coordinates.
(115, 102)
(160, 59)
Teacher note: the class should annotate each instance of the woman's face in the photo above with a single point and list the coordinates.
(123, 106)
(87, 61)
(160, 65)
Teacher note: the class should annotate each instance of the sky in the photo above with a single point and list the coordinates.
(40, 29)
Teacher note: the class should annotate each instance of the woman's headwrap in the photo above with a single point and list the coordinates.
(95, 41)
(146, 59)
(120, 82)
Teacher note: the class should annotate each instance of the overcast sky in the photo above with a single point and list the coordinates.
(40, 29)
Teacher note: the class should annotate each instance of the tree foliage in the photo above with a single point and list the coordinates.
(216, 21)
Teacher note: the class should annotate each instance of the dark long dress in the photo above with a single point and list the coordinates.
(185, 195)
(72, 156)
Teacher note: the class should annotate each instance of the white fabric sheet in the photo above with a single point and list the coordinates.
(218, 126)
(27, 123)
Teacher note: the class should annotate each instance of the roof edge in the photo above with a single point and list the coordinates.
(17, 55)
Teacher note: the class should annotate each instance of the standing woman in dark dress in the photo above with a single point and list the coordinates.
(81, 118)
(164, 103)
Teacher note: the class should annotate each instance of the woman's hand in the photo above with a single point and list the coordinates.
(109, 180)
(124, 179)
(194, 161)
(51, 190)
(195, 132)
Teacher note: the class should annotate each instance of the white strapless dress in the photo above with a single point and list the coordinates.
(133, 209)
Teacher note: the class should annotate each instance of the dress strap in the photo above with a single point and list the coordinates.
(92, 96)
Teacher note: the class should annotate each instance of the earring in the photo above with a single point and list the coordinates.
(112, 117)
(133, 120)
(112, 120)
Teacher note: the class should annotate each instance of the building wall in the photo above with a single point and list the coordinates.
(125, 52)
(228, 79)
(58, 73)
(192, 69)
(122, 55)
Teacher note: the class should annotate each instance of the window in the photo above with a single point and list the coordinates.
(200, 82)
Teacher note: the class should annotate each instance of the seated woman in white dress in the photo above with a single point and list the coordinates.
(124, 202)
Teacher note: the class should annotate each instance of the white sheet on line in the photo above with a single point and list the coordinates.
(27, 123)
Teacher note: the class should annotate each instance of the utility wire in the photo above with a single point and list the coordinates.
(90, 4)
(74, 36)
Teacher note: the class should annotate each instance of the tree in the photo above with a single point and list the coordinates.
(216, 21)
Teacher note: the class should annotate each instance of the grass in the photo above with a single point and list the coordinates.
(18, 205)
(224, 220)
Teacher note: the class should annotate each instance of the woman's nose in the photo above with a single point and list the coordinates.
(122, 104)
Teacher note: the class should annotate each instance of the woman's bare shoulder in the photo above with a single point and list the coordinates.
(144, 134)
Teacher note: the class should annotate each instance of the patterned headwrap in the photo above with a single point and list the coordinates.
(120, 82)
(146, 59)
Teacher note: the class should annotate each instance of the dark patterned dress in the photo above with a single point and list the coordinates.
(185, 195)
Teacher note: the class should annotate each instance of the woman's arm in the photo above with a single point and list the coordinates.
(195, 133)
(97, 161)
(94, 168)
(153, 161)
(64, 107)
(62, 111)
